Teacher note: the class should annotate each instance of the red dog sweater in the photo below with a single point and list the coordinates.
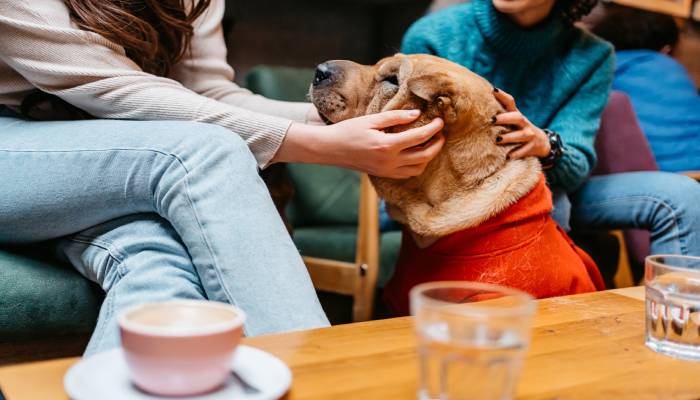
(521, 247)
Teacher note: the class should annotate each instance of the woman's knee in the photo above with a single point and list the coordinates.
(671, 201)
(214, 134)
(678, 191)
(648, 200)
(202, 142)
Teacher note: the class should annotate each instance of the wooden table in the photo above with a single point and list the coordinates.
(584, 347)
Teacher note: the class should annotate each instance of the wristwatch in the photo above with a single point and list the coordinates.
(556, 150)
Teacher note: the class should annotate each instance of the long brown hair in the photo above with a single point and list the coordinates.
(156, 34)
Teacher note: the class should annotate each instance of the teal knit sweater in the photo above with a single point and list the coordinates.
(559, 75)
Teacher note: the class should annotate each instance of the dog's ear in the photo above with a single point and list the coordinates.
(437, 92)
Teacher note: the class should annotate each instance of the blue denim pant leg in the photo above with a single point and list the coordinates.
(665, 204)
(562, 208)
(62, 178)
(136, 259)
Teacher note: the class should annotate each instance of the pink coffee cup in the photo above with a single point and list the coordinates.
(180, 348)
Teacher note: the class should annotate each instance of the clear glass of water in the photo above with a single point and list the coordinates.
(672, 286)
(472, 338)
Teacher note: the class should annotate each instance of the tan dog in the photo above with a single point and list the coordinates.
(471, 170)
(469, 183)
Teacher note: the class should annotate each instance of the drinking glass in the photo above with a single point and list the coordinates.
(672, 287)
(472, 338)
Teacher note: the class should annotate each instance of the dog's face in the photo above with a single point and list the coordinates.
(433, 203)
(440, 88)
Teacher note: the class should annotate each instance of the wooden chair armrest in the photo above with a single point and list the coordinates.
(367, 252)
(693, 174)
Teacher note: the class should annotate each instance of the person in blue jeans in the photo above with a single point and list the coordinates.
(143, 168)
(560, 77)
(665, 98)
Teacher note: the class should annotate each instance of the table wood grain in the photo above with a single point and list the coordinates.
(584, 347)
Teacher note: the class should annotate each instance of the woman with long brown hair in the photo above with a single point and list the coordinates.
(123, 136)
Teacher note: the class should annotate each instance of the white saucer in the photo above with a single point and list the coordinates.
(105, 376)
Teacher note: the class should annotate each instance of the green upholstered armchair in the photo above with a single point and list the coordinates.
(47, 309)
(334, 212)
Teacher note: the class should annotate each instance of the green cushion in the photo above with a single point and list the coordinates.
(44, 299)
(280, 83)
(338, 243)
(323, 195)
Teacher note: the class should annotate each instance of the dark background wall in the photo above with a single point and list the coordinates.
(303, 33)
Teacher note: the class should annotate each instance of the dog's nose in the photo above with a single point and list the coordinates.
(324, 73)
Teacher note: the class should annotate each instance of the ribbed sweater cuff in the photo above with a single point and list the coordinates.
(267, 137)
(568, 175)
(295, 111)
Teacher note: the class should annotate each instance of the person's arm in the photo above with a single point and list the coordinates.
(361, 144)
(578, 122)
(204, 70)
(95, 75)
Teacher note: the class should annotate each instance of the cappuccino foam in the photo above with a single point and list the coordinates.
(179, 316)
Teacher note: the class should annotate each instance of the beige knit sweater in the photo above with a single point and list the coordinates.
(41, 48)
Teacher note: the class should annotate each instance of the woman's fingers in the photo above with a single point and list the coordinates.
(521, 136)
(423, 154)
(523, 151)
(387, 119)
(511, 118)
(408, 171)
(505, 99)
(412, 162)
(416, 136)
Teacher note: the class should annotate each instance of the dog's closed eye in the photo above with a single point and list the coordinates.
(392, 79)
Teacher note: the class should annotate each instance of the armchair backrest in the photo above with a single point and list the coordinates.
(323, 195)
(620, 144)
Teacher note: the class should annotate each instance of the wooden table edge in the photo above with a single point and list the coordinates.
(45, 378)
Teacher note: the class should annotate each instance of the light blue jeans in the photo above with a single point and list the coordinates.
(154, 211)
(665, 204)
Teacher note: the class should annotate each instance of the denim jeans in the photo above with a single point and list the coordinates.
(154, 211)
(665, 204)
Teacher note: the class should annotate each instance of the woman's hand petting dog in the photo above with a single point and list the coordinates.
(360, 144)
(313, 117)
(533, 140)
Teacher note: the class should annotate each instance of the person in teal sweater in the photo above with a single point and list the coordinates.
(554, 79)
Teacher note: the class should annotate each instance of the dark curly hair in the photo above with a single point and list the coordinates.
(629, 28)
(573, 10)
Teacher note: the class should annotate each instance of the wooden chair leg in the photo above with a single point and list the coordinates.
(363, 302)
(367, 253)
(623, 278)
